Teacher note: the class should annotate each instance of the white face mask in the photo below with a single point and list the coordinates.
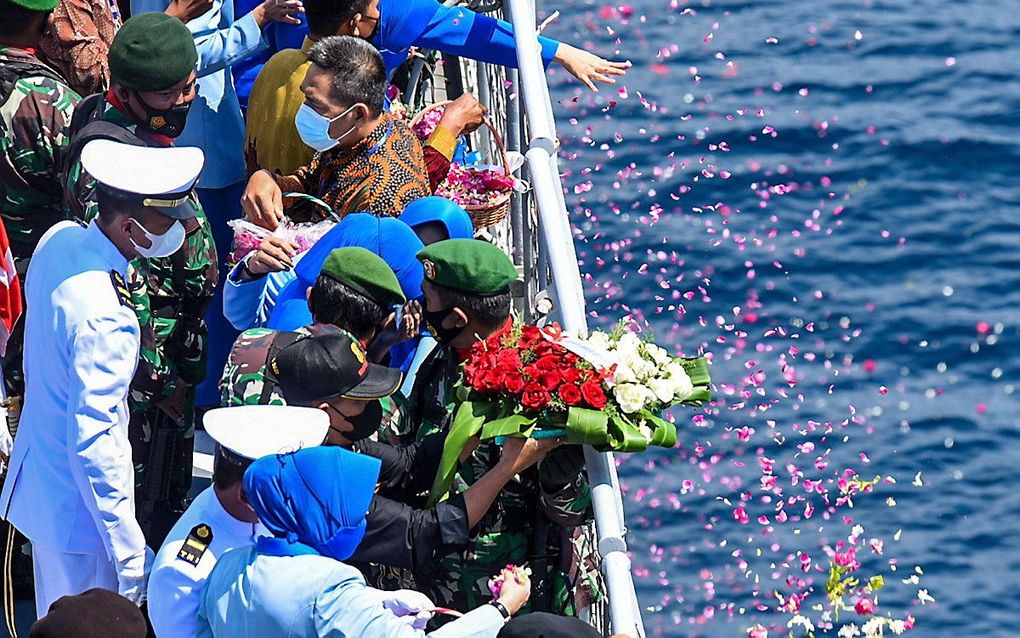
(314, 128)
(161, 245)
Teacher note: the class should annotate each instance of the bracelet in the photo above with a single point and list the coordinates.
(247, 270)
(502, 610)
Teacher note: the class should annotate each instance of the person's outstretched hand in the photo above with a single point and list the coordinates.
(516, 589)
(588, 67)
(284, 11)
(262, 201)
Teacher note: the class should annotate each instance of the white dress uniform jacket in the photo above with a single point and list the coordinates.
(70, 488)
(177, 578)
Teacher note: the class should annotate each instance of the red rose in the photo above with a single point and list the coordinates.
(573, 376)
(509, 359)
(570, 394)
(593, 394)
(535, 397)
(514, 382)
(549, 378)
(491, 381)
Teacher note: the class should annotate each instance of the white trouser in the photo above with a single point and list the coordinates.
(60, 574)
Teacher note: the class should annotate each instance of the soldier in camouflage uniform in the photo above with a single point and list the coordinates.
(152, 62)
(354, 291)
(536, 517)
(35, 111)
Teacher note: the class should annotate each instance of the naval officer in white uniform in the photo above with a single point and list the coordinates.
(220, 518)
(70, 488)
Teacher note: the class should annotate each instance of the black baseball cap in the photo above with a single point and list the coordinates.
(328, 365)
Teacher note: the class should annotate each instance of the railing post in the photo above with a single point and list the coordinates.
(554, 226)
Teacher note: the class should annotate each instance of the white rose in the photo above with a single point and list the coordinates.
(624, 374)
(599, 340)
(663, 389)
(630, 396)
(629, 341)
(658, 355)
(682, 385)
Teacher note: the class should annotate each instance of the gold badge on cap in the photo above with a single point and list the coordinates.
(360, 356)
(429, 267)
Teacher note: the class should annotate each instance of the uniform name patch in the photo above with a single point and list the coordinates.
(195, 544)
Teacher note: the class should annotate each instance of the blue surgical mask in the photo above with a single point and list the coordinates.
(314, 128)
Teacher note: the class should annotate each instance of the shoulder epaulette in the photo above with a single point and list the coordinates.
(120, 287)
(198, 540)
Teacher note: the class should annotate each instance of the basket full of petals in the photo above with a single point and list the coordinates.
(483, 191)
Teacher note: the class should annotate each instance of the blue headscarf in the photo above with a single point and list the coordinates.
(314, 500)
(390, 238)
(439, 209)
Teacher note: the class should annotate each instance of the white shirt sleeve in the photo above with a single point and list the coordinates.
(104, 355)
(175, 594)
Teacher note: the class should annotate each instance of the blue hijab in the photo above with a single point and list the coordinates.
(314, 500)
(390, 238)
(439, 209)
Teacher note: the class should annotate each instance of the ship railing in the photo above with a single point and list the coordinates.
(538, 237)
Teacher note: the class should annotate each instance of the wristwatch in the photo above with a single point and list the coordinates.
(502, 610)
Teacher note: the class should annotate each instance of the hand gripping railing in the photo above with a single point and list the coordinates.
(554, 226)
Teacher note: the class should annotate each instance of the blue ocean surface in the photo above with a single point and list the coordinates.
(824, 196)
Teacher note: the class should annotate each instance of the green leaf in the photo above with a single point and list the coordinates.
(508, 426)
(624, 436)
(587, 427)
(663, 432)
(467, 422)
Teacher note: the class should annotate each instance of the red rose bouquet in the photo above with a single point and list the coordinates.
(538, 382)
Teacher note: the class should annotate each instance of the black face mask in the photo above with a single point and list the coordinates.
(365, 424)
(169, 122)
(434, 323)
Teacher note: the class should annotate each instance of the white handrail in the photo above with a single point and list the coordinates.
(554, 225)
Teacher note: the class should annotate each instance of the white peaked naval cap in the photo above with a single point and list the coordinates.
(254, 431)
(161, 178)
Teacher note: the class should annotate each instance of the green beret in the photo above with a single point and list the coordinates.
(36, 5)
(365, 272)
(468, 265)
(152, 52)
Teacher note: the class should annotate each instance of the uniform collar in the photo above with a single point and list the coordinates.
(220, 519)
(99, 242)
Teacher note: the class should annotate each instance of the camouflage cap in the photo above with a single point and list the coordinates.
(472, 266)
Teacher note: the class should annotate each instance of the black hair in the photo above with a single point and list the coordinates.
(15, 19)
(228, 468)
(112, 207)
(335, 303)
(326, 16)
(359, 74)
(491, 311)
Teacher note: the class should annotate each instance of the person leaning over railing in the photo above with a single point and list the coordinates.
(273, 142)
(394, 26)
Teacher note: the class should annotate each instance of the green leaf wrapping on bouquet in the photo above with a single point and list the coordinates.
(663, 432)
(587, 427)
(515, 424)
(697, 370)
(624, 436)
(468, 420)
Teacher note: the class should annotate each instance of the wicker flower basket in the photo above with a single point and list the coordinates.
(482, 215)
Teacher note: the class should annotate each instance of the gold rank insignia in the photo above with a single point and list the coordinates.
(120, 287)
(198, 540)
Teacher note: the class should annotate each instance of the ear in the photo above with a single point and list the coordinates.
(456, 318)
(121, 93)
(241, 495)
(353, 24)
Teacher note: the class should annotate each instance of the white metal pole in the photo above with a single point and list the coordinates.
(554, 225)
